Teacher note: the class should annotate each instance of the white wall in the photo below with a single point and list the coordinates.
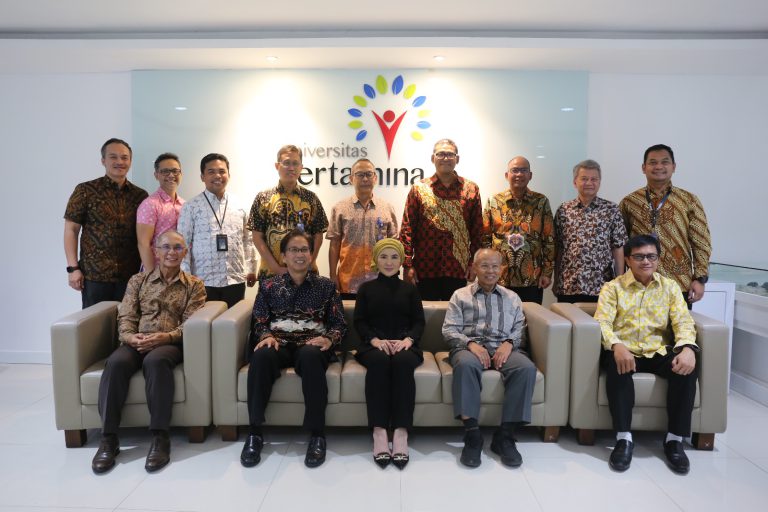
(716, 125)
(51, 130)
(52, 126)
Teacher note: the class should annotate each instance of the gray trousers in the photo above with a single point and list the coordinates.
(518, 375)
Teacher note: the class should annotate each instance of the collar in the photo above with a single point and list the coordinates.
(109, 182)
(592, 204)
(163, 195)
(156, 276)
(281, 189)
(393, 277)
(628, 279)
(356, 201)
(213, 197)
(289, 281)
(475, 289)
(435, 181)
(526, 195)
(669, 189)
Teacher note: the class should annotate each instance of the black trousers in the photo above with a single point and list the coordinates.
(439, 288)
(157, 365)
(681, 392)
(390, 389)
(529, 293)
(577, 298)
(231, 294)
(97, 291)
(310, 363)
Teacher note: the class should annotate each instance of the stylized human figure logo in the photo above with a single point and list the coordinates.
(389, 122)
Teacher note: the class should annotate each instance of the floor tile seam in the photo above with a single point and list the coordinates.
(130, 493)
(276, 472)
(533, 491)
(649, 475)
(758, 466)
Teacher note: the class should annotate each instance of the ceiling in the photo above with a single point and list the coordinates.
(652, 36)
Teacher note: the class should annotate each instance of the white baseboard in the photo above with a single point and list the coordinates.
(21, 356)
(749, 387)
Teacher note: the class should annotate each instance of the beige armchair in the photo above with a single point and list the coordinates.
(549, 336)
(589, 401)
(80, 344)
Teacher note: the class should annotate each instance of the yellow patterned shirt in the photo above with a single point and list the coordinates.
(682, 229)
(646, 320)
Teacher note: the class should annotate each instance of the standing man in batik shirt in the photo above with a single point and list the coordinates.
(357, 223)
(288, 206)
(214, 225)
(674, 216)
(518, 223)
(442, 226)
(589, 237)
(160, 211)
(104, 210)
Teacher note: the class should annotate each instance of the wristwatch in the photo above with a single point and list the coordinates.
(72, 269)
(702, 279)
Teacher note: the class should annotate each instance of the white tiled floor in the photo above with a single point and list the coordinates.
(38, 473)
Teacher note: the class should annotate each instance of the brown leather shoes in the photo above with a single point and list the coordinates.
(104, 460)
(159, 453)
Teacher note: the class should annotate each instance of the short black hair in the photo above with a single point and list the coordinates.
(114, 140)
(210, 157)
(166, 156)
(297, 233)
(659, 147)
(641, 241)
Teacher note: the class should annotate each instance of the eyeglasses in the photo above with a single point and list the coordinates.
(445, 155)
(298, 250)
(290, 163)
(168, 248)
(651, 256)
(665, 162)
(168, 172)
(518, 170)
(366, 175)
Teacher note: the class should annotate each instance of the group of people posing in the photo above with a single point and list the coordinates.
(485, 261)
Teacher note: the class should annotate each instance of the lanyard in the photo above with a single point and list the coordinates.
(219, 222)
(655, 211)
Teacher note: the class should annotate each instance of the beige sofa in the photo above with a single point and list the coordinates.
(80, 344)
(549, 336)
(589, 402)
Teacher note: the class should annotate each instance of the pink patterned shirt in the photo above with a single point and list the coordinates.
(161, 211)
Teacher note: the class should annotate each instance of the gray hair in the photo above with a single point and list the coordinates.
(587, 164)
(446, 141)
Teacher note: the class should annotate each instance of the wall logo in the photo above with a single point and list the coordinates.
(392, 110)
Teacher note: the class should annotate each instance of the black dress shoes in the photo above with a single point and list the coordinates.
(400, 460)
(621, 456)
(315, 452)
(159, 453)
(104, 460)
(473, 449)
(677, 460)
(503, 444)
(251, 454)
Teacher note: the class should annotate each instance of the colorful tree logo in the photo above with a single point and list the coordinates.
(389, 121)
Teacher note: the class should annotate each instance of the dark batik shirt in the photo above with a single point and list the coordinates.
(585, 237)
(109, 251)
(296, 314)
(441, 227)
(276, 212)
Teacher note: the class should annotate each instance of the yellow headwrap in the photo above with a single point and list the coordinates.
(387, 243)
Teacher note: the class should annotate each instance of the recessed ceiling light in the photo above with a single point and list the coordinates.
(567, 109)
(438, 58)
(180, 109)
(540, 156)
(272, 58)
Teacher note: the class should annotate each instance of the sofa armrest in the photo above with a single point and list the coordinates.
(549, 337)
(229, 335)
(712, 337)
(585, 363)
(197, 362)
(78, 341)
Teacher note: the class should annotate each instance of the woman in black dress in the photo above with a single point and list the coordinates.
(389, 318)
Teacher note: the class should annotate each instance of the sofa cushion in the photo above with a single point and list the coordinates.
(492, 386)
(89, 385)
(288, 387)
(650, 391)
(427, 377)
